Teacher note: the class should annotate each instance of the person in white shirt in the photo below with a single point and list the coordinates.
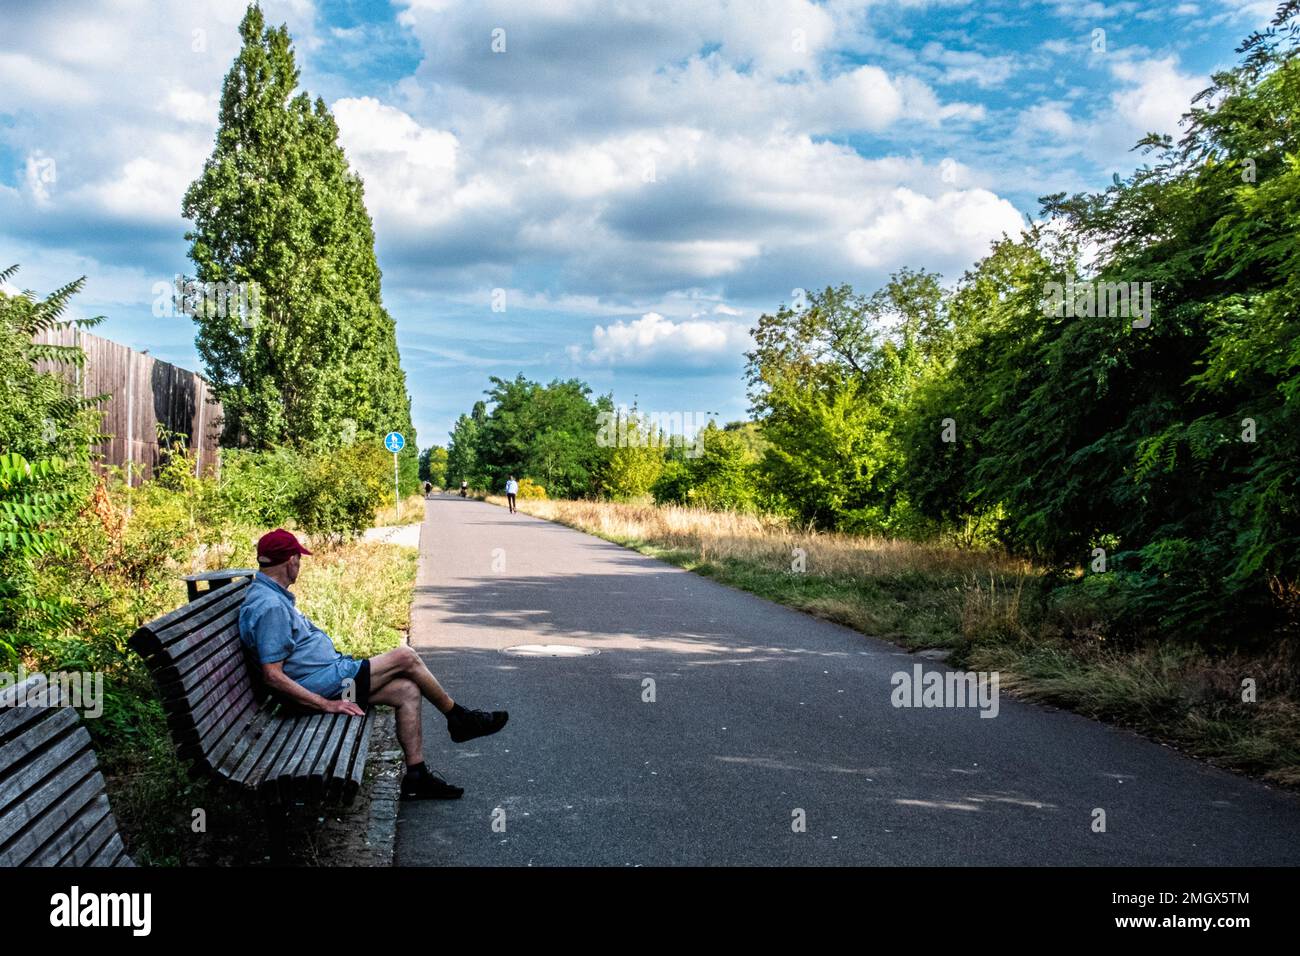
(512, 489)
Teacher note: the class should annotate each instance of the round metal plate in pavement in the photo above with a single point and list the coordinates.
(549, 650)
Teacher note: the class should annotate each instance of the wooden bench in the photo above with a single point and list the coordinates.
(53, 808)
(222, 719)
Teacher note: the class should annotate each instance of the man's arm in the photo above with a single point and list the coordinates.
(276, 679)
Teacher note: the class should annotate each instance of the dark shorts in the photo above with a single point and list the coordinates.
(362, 685)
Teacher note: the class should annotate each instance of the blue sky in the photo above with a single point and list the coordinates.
(635, 182)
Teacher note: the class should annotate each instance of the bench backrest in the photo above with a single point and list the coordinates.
(199, 667)
(54, 810)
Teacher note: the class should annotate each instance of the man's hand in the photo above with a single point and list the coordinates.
(274, 677)
(343, 707)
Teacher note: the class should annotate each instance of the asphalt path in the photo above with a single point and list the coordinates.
(772, 737)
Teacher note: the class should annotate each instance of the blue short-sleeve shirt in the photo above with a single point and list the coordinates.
(271, 626)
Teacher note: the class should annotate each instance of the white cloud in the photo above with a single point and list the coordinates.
(409, 170)
(955, 227)
(1157, 94)
(654, 340)
(969, 66)
(40, 173)
(1149, 95)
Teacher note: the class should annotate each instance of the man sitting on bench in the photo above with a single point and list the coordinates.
(299, 664)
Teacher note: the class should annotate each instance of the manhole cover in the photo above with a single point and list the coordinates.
(549, 650)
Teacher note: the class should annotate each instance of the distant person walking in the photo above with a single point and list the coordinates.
(428, 487)
(512, 489)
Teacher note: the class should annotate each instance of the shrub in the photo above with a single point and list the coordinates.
(530, 489)
(340, 489)
(258, 488)
(34, 499)
(673, 485)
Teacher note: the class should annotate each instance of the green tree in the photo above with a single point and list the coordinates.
(462, 451)
(1173, 444)
(277, 210)
(830, 382)
(544, 432)
(41, 413)
(433, 465)
(634, 457)
(718, 473)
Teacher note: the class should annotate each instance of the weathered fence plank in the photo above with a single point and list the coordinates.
(143, 393)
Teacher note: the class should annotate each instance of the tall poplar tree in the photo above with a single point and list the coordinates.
(277, 205)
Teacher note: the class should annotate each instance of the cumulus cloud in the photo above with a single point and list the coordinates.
(1156, 94)
(952, 228)
(655, 340)
(409, 170)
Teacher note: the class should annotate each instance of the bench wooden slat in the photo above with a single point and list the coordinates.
(40, 726)
(287, 770)
(222, 697)
(186, 620)
(326, 758)
(226, 703)
(29, 824)
(322, 737)
(274, 738)
(95, 844)
(53, 806)
(225, 732)
(177, 678)
(232, 759)
(353, 782)
(80, 837)
(16, 721)
(173, 661)
(50, 745)
(112, 853)
(298, 728)
(338, 773)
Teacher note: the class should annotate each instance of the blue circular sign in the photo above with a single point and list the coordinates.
(394, 442)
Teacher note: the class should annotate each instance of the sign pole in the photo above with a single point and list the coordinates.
(395, 442)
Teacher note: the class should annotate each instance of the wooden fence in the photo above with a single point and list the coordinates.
(143, 393)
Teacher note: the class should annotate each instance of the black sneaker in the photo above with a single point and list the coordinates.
(429, 786)
(468, 724)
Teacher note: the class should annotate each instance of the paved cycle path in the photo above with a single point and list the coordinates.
(762, 717)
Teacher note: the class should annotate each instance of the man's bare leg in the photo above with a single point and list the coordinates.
(404, 697)
(404, 662)
(462, 725)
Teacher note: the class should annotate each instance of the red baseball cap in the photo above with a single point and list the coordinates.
(278, 546)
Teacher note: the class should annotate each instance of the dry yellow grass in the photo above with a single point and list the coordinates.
(768, 542)
(412, 512)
